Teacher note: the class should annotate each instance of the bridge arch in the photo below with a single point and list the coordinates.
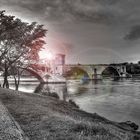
(77, 72)
(97, 70)
(110, 70)
(34, 73)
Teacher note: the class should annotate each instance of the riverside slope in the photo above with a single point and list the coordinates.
(46, 118)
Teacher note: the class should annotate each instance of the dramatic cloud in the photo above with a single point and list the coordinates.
(100, 30)
(134, 33)
(98, 11)
(102, 11)
(85, 10)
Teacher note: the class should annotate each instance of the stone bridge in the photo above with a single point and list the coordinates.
(93, 71)
(96, 71)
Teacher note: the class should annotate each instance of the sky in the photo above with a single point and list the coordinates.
(86, 31)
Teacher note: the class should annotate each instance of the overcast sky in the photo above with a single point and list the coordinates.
(87, 31)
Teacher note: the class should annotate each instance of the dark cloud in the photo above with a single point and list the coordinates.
(134, 33)
(98, 11)
(84, 10)
(110, 2)
(85, 26)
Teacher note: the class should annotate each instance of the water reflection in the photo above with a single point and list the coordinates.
(118, 99)
(65, 91)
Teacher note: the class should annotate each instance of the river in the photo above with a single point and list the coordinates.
(117, 100)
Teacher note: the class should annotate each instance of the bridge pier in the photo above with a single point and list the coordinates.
(95, 75)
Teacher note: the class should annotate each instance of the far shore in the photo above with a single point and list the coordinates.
(44, 117)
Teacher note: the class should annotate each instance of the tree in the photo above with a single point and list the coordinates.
(20, 43)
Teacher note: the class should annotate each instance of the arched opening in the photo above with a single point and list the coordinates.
(31, 72)
(110, 72)
(76, 73)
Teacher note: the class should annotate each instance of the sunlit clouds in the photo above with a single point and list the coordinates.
(46, 54)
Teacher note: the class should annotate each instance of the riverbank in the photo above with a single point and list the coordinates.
(46, 118)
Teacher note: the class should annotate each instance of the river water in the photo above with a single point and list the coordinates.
(117, 100)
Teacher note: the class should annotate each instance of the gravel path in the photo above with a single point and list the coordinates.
(9, 129)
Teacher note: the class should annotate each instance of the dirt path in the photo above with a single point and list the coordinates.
(9, 129)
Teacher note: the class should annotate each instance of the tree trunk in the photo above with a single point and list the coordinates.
(16, 83)
(17, 79)
(6, 83)
(16, 87)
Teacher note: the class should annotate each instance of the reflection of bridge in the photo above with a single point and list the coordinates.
(96, 71)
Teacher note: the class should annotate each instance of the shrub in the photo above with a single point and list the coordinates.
(73, 103)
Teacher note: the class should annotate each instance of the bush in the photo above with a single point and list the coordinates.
(52, 94)
(73, 103)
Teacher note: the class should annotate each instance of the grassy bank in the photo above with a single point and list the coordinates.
(46, 118)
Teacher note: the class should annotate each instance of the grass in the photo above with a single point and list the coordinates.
(47, 118)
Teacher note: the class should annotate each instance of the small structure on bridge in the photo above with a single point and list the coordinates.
(59, 64)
